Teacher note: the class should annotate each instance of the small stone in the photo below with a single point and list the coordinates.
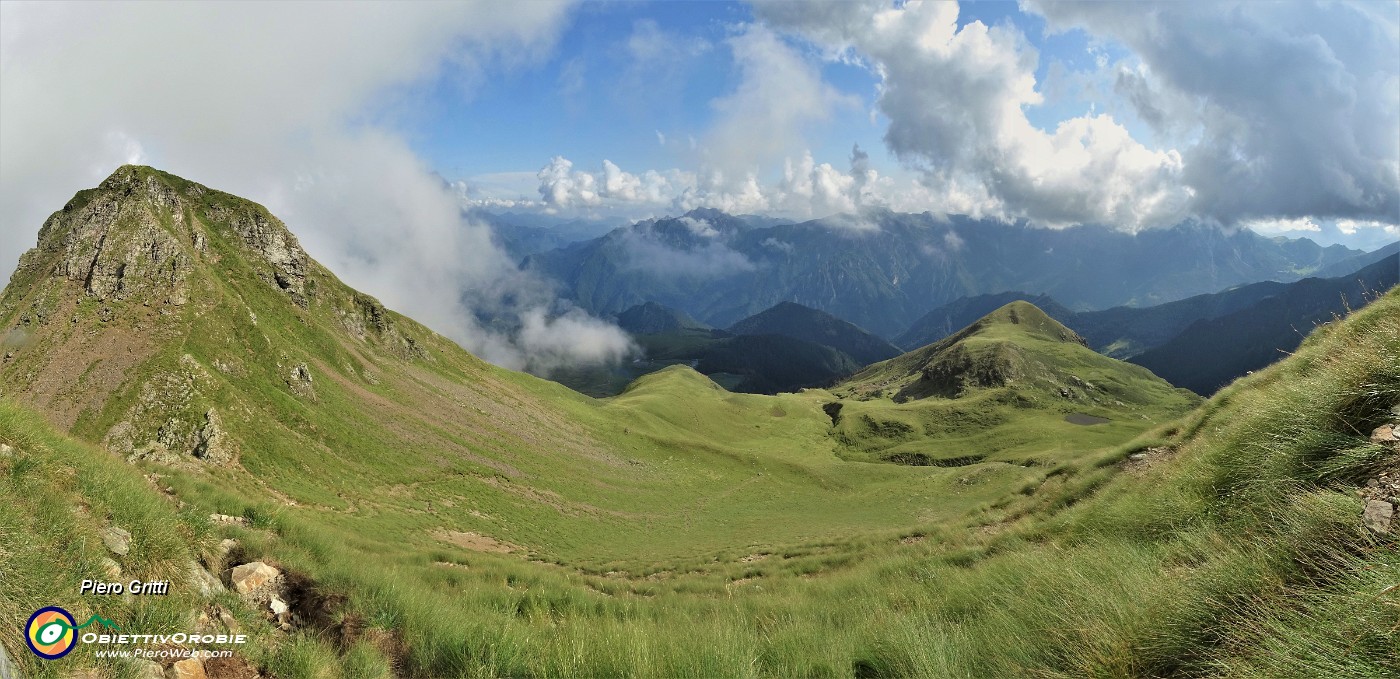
(1378, 515)
(189, 668)
(204, 581)
(251, 576)
(146, 669)
(118, 540)
(226, 545)
(1386, 433)
(278, 606)
(226, 519)
(6, 450)
(1138, 456)
(111, 568)
(1373, 483)
(228, 620)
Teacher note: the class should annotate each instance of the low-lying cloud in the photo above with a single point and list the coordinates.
(643, 250)
(278, 103)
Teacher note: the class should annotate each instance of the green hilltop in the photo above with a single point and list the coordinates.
(171, 353)
(1014, 386)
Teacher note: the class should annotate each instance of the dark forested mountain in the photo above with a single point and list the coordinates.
(790, 319)
(882, 270)
(1357, 263)
(1119, 332)
(652, 319)
(1124, 332)
(770, 364)
(1212, 352)
(781, 349)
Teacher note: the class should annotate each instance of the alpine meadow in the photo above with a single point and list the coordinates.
(309, 370)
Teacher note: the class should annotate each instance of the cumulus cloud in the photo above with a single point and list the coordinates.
(807, 189)
(955, 98)
(561, 187)
(780, 95)
(281, 104)
(1285, 109)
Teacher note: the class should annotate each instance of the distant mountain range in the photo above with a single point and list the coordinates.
(790, 319)
(883, 270)
(1212, 352)
(654, 319)
(1200, 343)
(782, 349)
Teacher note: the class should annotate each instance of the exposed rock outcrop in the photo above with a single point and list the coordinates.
(253, 579)
(271, 240)
(211, 443)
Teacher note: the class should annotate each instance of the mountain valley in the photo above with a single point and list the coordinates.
(1004, 501)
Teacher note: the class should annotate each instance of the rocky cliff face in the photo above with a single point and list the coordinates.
(137, 234)
(135, 319)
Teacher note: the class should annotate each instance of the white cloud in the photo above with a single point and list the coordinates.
(775, 244)
(644, 250)
(1274, 227)
(257, 100)
(956, 98)
(1351, 227)
(562, 187)
(699, 227)
(779, 97)
(1284, 109)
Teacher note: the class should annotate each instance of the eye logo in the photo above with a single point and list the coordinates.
(50, 633)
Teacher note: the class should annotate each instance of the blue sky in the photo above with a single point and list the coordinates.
(644, 85)
(1281, 117)
(594, 100)
(369, 126)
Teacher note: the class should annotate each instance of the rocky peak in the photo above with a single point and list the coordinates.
(138, 233)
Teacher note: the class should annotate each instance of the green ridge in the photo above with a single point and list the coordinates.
(472, 521)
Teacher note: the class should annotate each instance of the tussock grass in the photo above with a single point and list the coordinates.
(681, 530)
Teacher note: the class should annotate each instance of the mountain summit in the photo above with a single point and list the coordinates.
(791, 319)
(1016, 346)
(155, 315)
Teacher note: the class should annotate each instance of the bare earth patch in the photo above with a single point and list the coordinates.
(475, 542)
(1140, 462)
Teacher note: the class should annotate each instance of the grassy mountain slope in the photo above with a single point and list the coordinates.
(964, 311)
(794, 320)
(463, 520)
(1225, 544)
(186, 331)
(57, 496)
(996, 390)
(1120, 332)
